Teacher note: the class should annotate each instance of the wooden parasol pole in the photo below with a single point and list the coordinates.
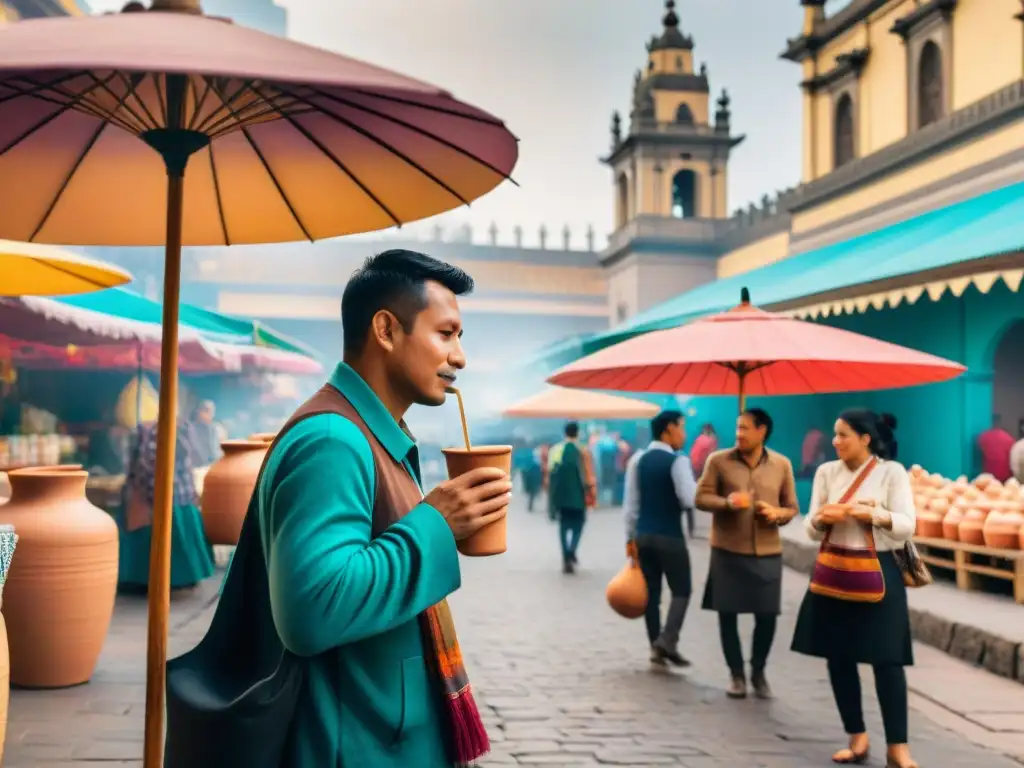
(175, 144)
(163, 492)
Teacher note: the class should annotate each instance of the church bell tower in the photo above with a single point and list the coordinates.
(669, 168)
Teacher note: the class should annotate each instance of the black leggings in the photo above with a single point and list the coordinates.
(729, 634)
(891, 688)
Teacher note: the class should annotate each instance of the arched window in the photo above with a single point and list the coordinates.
(929, 85)
(684, 195)
(844, 150)
(684, 116)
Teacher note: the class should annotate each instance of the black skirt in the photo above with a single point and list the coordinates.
(863, 633)
(743, 583)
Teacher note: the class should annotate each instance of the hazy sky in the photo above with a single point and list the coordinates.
(555, 69)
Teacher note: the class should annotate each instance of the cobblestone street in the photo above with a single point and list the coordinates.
(567, 682)
(562, 680)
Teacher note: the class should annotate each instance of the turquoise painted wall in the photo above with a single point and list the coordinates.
(937, 423)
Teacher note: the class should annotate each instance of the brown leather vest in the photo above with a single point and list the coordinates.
(396, 491)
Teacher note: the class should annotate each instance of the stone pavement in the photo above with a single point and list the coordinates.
(562, 681)
(101, 723)
(566, 682)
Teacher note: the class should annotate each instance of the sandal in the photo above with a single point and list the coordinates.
(890, 763)
(849, 757)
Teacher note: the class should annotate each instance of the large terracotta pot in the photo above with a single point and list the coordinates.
(228, 487)
(929, 520)
(1002, 528)
(59, 596)
(1021, 537)
(951, 523)
(972, 527)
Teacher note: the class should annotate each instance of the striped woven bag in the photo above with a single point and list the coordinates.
(844, 573)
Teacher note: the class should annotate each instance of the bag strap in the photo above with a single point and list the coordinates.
(848, 494)
(858, 481)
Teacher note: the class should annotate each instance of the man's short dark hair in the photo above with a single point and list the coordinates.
(394, 280)
(572, 430)
(761, 418)
(663, 421)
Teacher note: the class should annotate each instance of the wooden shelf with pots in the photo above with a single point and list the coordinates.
(962, 559)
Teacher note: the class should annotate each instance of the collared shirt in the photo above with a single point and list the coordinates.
(770, 480)
(393, 435)
(682, 479)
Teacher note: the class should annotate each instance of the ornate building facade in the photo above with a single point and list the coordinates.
(908, 223)
(16, 10)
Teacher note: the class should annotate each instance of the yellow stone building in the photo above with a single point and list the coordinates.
(15, 10)
(908, 223)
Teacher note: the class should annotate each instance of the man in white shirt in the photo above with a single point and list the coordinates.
(659, 489)
(1017, 454)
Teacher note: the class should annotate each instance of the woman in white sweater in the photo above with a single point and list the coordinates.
(847, 633)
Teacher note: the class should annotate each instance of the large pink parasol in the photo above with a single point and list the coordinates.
(748, 351)
(101, 117)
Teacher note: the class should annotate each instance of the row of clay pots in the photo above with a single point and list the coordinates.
(228, 487)
(58, 599)
(983, 512)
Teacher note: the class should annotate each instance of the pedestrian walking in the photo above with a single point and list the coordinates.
(750, 492)
(533, 477)
(343, 567)
(862, 503)
(572, 490)
(192, 558)
(659, 488)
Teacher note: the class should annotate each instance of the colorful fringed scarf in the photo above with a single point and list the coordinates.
(467, 736)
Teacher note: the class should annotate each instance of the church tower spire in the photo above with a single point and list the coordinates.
(670, 173)
(672, 161)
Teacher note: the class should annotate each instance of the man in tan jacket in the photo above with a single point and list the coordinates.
(750, 491)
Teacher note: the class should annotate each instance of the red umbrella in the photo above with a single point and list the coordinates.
(170, 127)
(748, 351)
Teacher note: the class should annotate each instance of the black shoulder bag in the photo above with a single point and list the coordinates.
(231, 700)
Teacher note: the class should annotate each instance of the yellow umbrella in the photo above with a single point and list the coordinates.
(559, 403)
(29, 269)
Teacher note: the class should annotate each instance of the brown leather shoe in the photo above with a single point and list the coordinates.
(760, 684)
(737, 687)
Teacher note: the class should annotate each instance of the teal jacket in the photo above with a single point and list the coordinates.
(349, 604)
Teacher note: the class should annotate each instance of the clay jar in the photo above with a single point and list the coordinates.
(951, 522)
(59, 595)
(972, 527)
(929, 520)
(1002, 527)
(228, 487)
(491, 539)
